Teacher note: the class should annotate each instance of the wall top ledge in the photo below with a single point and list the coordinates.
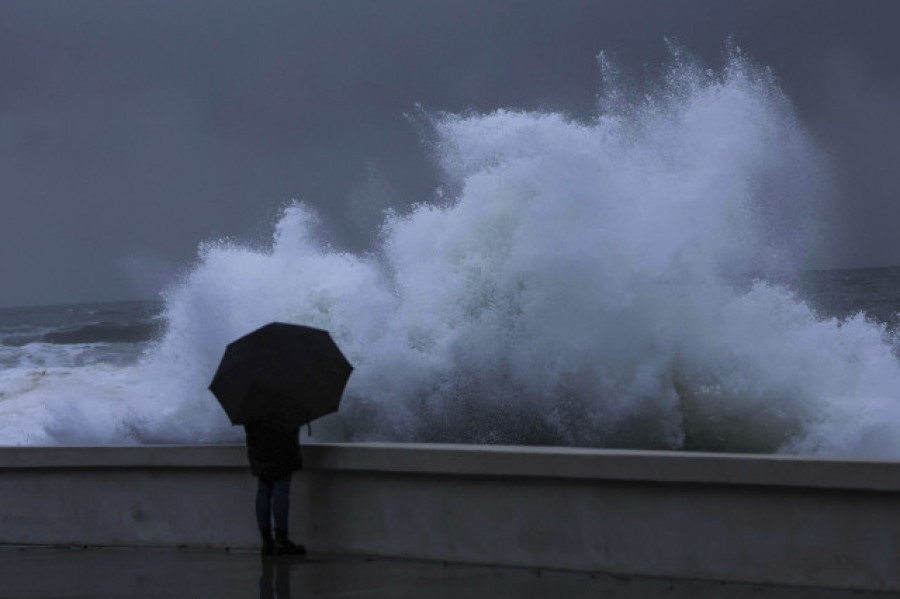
(494, 461)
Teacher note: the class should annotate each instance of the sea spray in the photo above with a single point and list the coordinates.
(610, 283)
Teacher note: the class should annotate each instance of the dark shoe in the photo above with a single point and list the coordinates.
(284, 546)
(268, 545)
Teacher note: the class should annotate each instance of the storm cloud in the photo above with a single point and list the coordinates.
(130, 132)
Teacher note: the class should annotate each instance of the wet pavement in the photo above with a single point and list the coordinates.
(69, 573)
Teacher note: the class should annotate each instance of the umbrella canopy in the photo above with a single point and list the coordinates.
(281, 372)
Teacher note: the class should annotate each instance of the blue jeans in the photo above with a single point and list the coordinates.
(273, 499)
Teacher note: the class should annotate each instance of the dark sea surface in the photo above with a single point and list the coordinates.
(845, 292)
(78, 334)
(117, 332)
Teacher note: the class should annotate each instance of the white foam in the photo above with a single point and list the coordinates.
(579, 289)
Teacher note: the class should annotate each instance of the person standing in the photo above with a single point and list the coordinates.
(274, 454)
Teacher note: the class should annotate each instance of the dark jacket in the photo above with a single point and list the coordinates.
(273, 452)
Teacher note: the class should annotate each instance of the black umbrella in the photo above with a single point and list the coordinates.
(281, 372)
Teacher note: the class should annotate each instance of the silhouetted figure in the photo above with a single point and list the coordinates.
(274, 453)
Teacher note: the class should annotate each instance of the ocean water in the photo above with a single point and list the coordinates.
(114, 333)
(637, 280)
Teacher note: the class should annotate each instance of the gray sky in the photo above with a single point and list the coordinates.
(132, 131)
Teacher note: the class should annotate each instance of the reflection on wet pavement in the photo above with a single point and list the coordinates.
(67, 573)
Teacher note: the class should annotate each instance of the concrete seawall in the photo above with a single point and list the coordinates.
(760, 519)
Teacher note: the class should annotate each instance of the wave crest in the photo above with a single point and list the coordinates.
(588, 283)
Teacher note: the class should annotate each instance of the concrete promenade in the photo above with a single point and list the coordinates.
(171, 573)
(761, 520)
